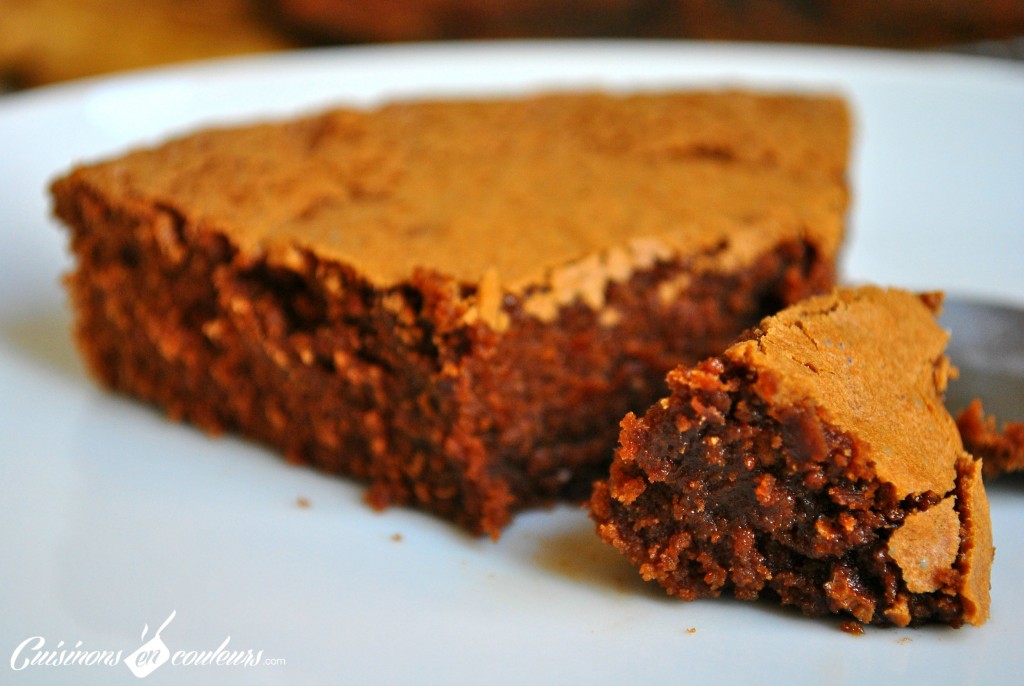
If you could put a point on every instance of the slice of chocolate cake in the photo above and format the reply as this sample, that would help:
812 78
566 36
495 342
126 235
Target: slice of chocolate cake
455 301
812 462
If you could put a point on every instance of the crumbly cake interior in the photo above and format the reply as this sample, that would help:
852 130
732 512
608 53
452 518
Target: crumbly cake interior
767 507
729 485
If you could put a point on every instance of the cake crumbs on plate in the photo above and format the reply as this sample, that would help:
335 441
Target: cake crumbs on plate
852 627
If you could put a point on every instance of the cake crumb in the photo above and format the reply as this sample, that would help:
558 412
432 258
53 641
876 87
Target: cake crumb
302 502
852 627
692 630
397 538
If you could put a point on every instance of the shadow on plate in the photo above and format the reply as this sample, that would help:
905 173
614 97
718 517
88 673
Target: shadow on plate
44 339
575 552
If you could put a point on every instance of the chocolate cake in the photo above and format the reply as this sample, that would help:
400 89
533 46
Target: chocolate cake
454 301
903 23
812 462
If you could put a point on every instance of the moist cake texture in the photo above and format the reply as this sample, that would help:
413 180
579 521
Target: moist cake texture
454 301
812 462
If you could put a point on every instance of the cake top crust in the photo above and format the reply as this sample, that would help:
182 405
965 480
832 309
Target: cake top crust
872 362
517 188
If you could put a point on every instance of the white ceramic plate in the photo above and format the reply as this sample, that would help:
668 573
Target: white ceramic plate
112 518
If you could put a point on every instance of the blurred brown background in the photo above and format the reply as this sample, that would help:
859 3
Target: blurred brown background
43 41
